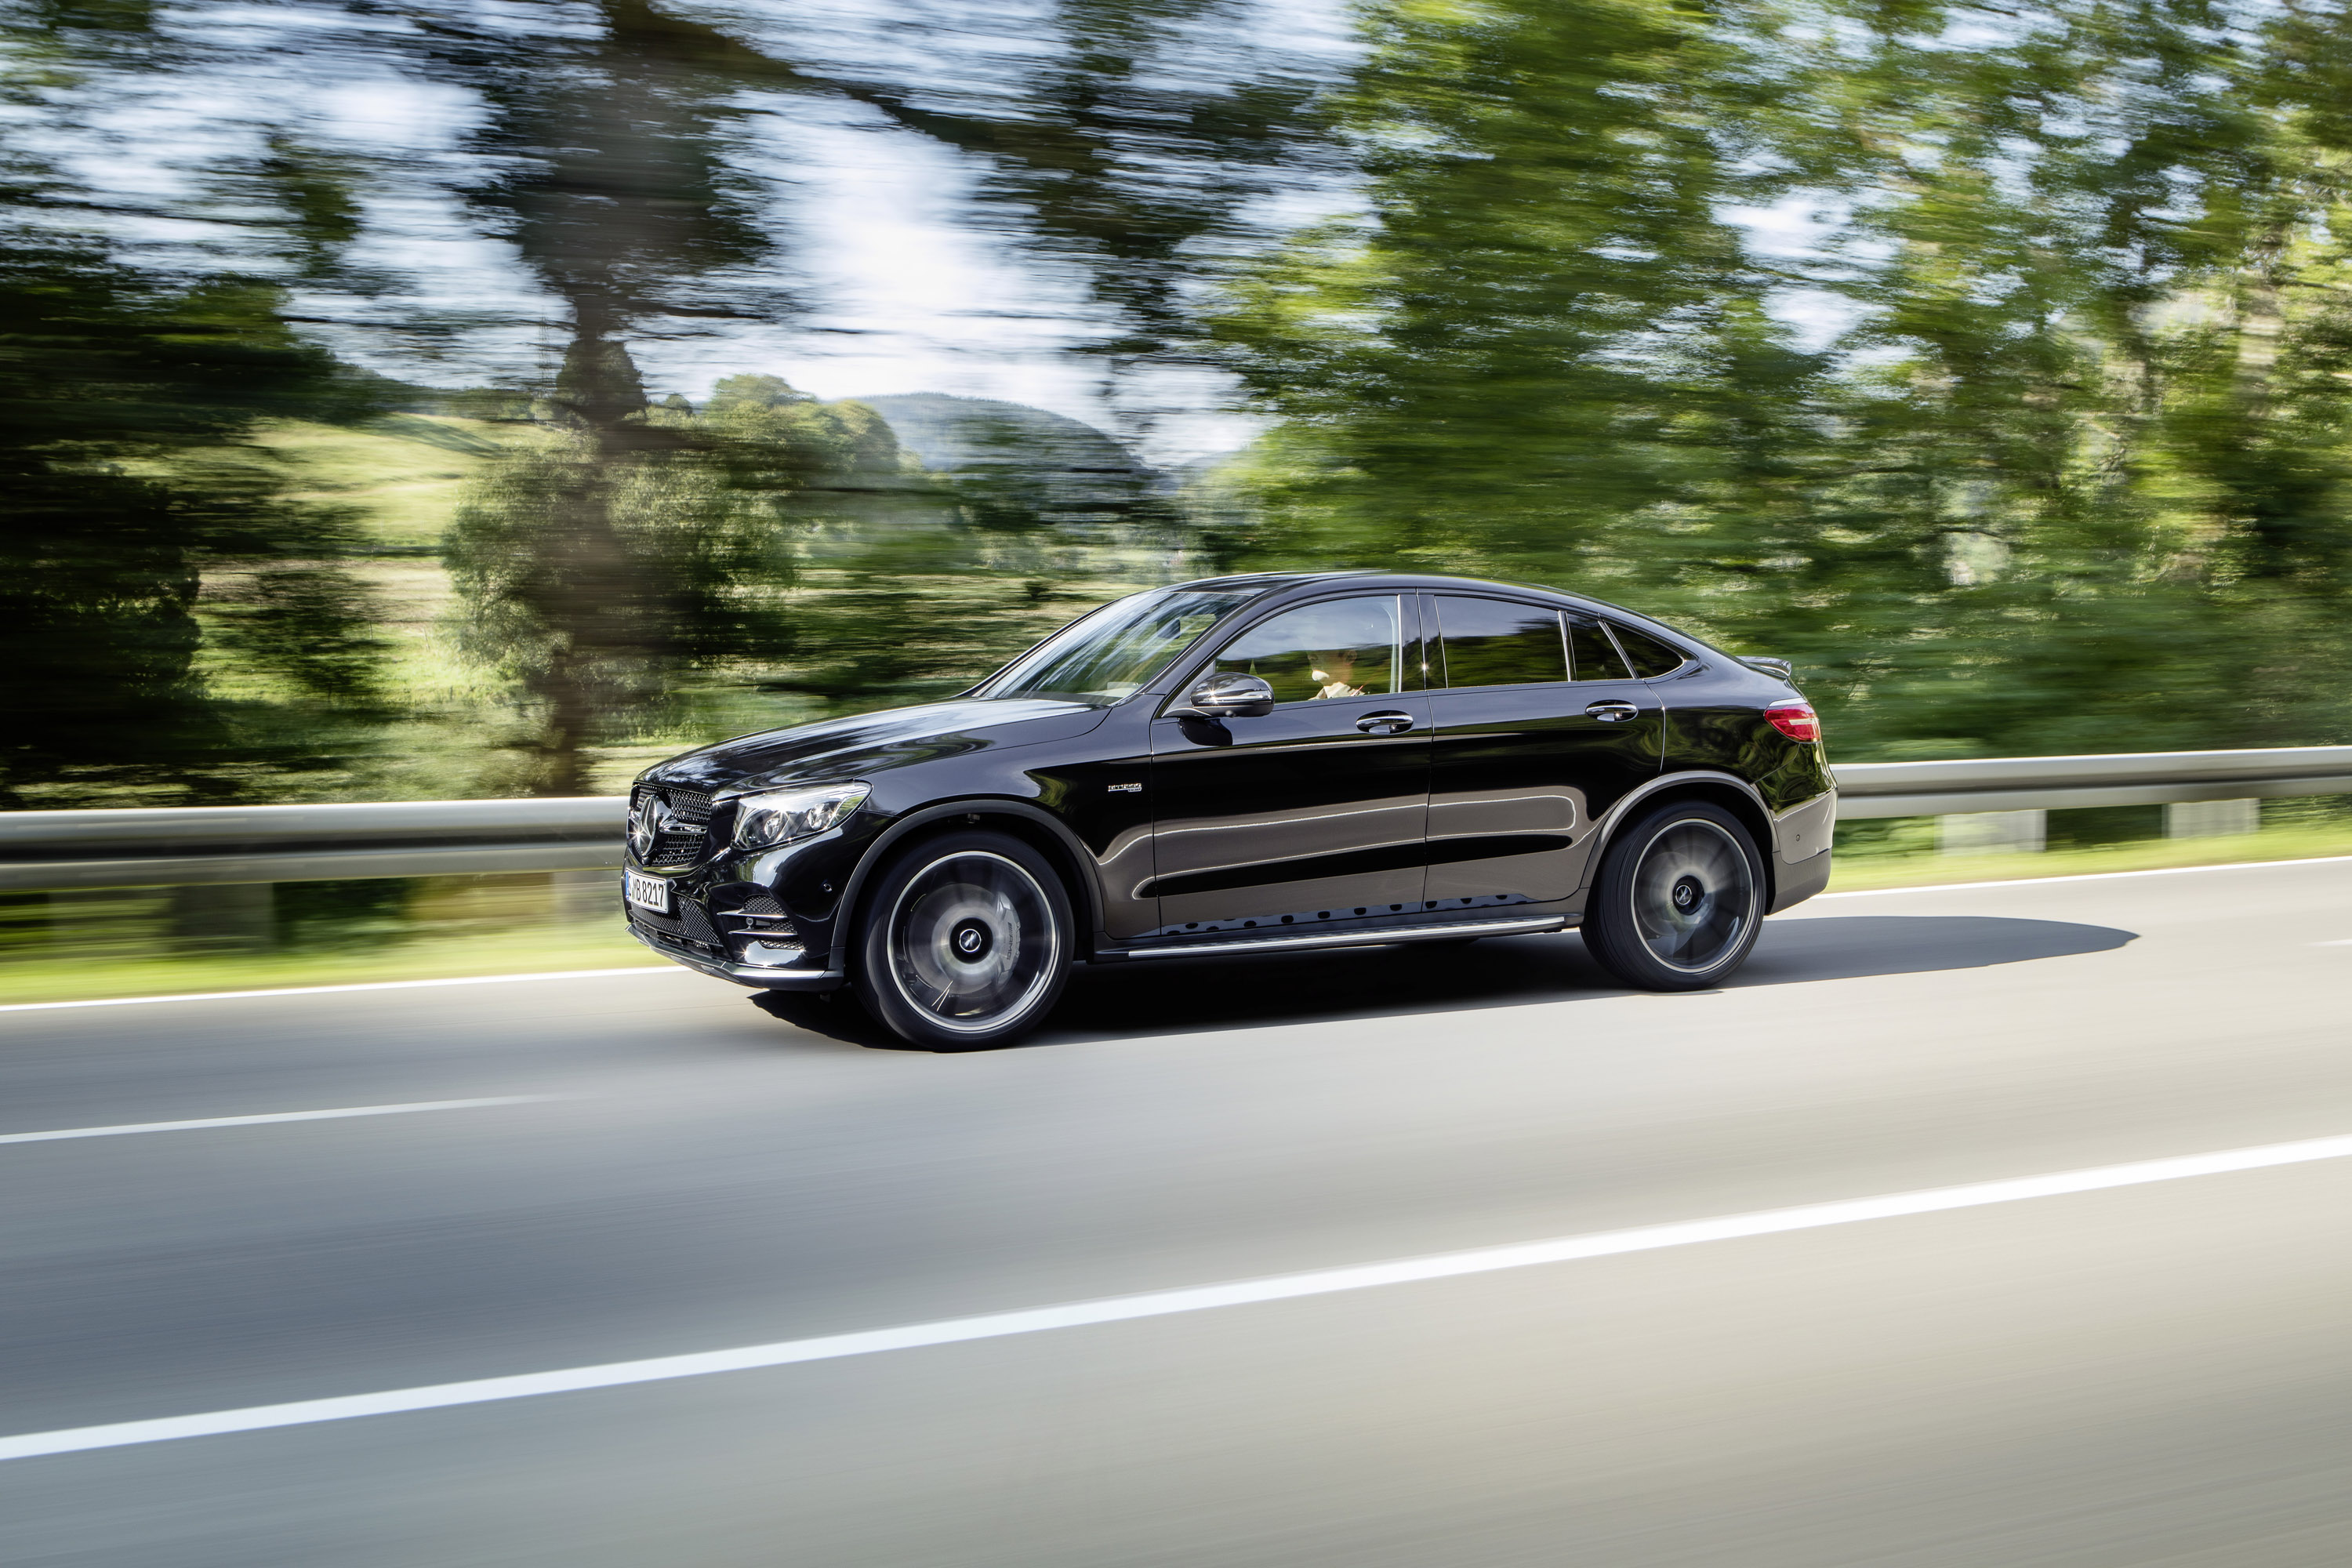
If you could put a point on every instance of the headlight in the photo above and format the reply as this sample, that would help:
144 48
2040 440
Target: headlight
781 815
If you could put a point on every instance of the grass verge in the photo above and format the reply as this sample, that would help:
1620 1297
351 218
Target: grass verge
1861 872
601 944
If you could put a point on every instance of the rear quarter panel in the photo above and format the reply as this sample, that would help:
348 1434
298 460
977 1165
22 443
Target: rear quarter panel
1715 720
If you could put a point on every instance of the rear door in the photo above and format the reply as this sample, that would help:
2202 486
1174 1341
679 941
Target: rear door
1539 727
1313 814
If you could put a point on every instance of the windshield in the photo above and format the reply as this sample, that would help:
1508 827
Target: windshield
1109 656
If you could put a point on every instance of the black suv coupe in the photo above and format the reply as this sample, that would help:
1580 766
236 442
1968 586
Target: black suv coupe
1249 764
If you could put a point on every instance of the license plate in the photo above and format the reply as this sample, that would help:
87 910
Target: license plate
646 892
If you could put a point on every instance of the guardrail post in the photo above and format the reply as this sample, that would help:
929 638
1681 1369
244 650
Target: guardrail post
1992 832
2211 818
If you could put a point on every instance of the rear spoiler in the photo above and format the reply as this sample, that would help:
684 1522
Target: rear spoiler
1780 667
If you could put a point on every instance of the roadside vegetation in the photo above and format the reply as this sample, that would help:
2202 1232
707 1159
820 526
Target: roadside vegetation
1990 363
1903 852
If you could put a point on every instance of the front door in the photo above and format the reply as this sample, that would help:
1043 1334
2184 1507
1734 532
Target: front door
1539 727
1314 814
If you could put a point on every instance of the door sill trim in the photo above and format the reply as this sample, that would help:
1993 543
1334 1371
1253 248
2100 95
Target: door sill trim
1354 938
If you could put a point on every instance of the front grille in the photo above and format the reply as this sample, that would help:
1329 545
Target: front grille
696 923
688 824
663 938
689 921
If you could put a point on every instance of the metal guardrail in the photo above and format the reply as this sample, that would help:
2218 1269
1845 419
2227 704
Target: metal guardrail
173 846
2062 784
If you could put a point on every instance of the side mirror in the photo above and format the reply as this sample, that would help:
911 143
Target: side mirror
1229 695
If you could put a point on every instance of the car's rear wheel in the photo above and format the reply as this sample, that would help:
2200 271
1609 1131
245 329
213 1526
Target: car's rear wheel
965 943
1679 899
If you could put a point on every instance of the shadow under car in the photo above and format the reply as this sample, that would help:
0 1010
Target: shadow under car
1142 999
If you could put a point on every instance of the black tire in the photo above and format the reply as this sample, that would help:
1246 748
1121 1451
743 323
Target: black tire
964 941
1679 899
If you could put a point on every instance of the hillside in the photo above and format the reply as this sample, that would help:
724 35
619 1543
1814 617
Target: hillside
1027 459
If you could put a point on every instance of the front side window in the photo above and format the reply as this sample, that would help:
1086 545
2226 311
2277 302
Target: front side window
1494 642
1110 655
1338 648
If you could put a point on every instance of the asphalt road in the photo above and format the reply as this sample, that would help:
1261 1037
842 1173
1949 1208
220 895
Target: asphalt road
2157 1374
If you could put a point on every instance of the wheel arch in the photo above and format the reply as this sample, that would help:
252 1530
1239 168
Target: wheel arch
1728 791
1041 830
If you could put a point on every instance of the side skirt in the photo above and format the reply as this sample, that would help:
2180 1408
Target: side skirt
1369 937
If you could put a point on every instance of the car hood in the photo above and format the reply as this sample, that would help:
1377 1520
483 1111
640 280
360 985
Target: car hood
840 749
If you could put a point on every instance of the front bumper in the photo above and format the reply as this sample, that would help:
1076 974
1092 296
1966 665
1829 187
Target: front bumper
760 919
767 977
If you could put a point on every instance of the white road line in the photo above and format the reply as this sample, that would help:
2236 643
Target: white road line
2339 942
2082 877
263 1120
334 989
1168 1303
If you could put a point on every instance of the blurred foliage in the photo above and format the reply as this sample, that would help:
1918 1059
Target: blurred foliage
2074 478
767 545
2061 464
1130 139
602 572
142 533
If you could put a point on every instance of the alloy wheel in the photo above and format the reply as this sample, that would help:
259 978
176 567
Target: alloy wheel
1694 895
972 943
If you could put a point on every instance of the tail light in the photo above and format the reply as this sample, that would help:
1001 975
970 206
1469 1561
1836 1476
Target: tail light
1795 720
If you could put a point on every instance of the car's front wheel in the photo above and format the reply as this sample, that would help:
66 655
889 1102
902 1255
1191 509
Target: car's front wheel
965 943
1678 901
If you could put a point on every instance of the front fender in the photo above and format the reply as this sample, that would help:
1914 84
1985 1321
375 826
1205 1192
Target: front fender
1088 890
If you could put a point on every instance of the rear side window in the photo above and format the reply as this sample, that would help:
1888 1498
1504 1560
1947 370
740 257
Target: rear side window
1493 642
1595 656
1650 656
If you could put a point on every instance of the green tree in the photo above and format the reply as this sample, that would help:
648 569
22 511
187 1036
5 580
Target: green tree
1541 340
2074 480
175 625
611 150
169 619
2091 493
680 600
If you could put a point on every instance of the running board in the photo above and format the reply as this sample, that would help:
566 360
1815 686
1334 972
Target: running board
1352 938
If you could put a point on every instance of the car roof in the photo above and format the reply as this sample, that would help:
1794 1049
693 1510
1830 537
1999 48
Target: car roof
1273 583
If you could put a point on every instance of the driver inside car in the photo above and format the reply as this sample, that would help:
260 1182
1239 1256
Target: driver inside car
1337 672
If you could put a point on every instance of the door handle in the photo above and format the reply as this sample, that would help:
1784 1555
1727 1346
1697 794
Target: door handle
1389 723
1612 711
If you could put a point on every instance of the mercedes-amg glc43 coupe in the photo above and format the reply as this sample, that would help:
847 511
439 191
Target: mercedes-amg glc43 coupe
1249 764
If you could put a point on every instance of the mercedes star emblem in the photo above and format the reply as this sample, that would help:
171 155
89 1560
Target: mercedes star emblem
647 817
